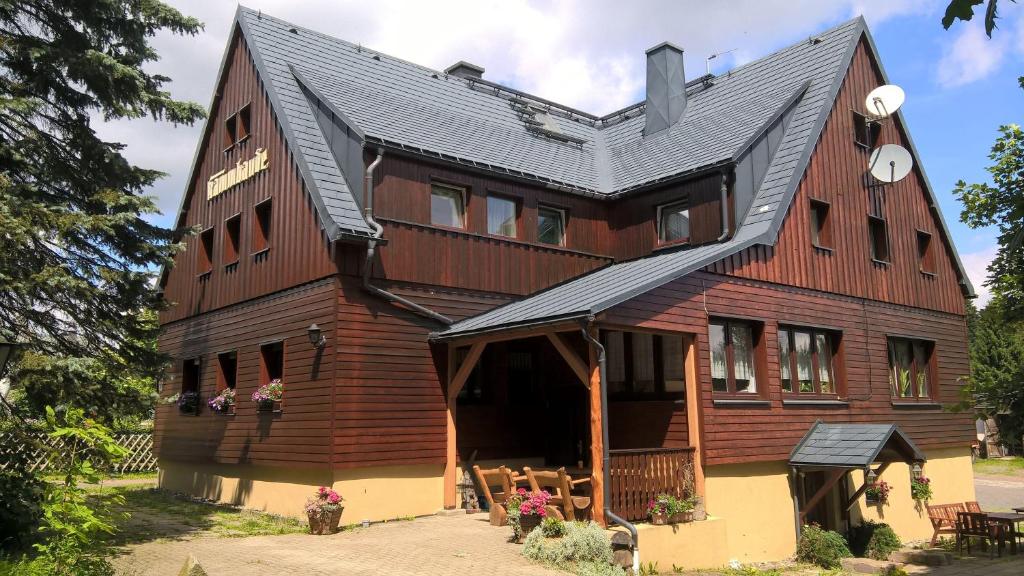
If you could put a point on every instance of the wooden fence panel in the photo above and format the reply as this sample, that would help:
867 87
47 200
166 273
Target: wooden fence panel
637 476
33 456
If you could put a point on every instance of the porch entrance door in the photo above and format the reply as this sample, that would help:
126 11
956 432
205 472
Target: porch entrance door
826 512
568 426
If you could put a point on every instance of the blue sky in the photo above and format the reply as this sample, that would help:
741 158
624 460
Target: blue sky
589 54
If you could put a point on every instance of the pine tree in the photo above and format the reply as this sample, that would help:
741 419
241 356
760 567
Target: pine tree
77 254
996 385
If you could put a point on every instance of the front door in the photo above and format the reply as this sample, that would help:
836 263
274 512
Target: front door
827 512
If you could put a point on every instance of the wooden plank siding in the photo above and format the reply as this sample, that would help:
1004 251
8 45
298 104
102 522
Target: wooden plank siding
298 252
742 433
300 434
836 174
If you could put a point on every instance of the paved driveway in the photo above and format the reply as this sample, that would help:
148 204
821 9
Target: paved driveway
457 545
999 492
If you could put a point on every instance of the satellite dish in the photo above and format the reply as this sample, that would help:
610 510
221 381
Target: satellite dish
885 100
890 163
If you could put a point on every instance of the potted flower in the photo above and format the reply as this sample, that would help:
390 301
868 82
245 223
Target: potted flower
658 509
532 511
223 403
878 492
512 504
188 403
324 511
921 488
268 396
680 509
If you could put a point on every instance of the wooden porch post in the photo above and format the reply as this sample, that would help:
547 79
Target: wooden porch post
596 437
456 380
693 414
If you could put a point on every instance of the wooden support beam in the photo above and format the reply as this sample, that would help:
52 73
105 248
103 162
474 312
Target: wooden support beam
693 414
514 333
830 481
860 491
596 438
579 367
457 376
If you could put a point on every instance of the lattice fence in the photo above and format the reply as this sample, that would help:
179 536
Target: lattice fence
14 452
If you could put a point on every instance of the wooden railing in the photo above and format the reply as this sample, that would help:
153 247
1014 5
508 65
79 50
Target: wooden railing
637 476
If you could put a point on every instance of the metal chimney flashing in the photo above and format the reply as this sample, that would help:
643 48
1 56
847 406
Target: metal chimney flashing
666 87
463 69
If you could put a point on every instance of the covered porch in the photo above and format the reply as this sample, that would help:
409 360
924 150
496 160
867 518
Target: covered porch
616 404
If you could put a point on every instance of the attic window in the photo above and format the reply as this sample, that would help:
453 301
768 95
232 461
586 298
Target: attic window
925 252
230 131
674 222
205 262
821 225
878 235
865 131
243 123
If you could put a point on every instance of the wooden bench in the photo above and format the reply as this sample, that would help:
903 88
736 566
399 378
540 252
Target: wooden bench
944 519
560 486
503 481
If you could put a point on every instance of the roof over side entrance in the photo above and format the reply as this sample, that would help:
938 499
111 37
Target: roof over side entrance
854 446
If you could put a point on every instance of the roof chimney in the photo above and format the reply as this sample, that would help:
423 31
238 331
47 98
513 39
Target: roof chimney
464 69
666 87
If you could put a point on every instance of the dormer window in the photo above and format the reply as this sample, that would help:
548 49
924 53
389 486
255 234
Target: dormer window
501 216
551 226
674 222
865 130
447 206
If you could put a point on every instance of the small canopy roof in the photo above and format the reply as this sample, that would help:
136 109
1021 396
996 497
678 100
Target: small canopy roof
853 446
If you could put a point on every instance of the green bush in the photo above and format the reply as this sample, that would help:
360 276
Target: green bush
598 569
873 540
822 547
553 527
583 543
894 570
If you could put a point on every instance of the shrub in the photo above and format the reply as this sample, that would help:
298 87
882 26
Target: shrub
598 569
894 570
822 547
874 540
553 527
583 542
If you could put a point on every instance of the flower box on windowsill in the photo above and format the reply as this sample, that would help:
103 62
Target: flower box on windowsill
189 410
269 406
228 410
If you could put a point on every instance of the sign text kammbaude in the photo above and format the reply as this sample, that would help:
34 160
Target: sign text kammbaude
227 179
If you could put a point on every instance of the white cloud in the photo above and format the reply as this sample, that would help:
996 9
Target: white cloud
585 54
971 56
976 264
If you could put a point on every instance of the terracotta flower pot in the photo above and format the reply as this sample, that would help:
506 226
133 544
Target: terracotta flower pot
659 518
327 524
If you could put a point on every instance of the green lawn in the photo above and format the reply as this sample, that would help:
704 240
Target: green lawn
1000 466
148 514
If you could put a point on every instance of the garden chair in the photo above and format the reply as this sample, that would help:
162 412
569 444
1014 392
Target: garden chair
944 519
497 484
974 525
973 507
560 486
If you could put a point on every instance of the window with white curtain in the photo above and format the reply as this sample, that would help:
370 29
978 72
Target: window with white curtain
447 206
644 365
501 216
733 368
807 353
910 368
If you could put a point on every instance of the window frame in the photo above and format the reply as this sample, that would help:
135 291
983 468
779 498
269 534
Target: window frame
243 126
930 370
264 374
926 262
222 377
821 228
757 353
834 340
863 126
659 229
659 391
187 364
231 243
262 231
874 221
230 132
206 256
463 194
562 217
516 206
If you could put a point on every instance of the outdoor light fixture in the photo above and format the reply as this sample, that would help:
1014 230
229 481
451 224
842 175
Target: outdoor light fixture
871 476
916 469
8 350
316 338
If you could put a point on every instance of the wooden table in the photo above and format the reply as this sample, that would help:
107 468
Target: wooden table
1009 520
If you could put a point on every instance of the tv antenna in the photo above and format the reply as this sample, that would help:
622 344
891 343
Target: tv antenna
884 101
890 163
707 61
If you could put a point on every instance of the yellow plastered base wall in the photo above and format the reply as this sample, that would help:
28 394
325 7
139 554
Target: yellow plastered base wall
756 504
952 479
376 493
689 546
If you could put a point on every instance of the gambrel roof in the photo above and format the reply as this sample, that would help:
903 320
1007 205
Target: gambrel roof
385 101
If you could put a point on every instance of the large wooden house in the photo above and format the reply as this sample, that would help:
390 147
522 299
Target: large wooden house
443 271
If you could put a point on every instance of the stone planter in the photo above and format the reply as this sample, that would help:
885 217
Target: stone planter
659 518
326 525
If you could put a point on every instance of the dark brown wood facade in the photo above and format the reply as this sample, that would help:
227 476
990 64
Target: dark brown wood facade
375 395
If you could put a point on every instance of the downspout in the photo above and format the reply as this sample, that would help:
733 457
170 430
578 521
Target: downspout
605 459
371 248
725 207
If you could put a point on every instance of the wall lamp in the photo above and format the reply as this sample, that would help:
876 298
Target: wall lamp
316 337
915 470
